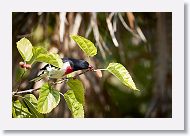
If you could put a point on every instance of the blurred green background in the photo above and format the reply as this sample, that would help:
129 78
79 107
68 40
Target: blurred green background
142 42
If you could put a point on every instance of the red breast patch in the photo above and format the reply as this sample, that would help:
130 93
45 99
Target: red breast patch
68 70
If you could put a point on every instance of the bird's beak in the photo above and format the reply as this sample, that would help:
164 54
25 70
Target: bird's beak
90 68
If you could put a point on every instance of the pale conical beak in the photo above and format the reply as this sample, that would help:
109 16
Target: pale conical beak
90 68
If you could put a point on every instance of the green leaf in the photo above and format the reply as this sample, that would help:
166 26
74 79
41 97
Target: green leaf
122 74
50 58
25 49
19 110
48 99
39 50
86 45
78 89
75 107
32 99
31 102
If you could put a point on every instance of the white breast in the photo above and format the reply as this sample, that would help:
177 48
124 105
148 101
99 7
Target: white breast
66 65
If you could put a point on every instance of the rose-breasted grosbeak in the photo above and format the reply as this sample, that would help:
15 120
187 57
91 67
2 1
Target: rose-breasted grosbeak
69 65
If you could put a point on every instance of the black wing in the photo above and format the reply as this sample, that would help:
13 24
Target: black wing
76 64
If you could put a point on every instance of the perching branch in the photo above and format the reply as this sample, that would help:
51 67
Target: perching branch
54 83
25 91
67 78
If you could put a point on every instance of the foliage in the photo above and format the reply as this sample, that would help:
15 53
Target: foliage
74 105
78 89
50 58
37 54
122 74
86 45
19 110
25 49
49 97
32 102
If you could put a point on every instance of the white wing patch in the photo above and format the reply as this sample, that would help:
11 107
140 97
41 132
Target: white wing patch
57 73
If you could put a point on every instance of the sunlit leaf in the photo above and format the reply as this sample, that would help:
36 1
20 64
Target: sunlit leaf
48 99
75 107
32 99
31 102
50 58
19 110
122 74
24 47
78 89
86 45
39 50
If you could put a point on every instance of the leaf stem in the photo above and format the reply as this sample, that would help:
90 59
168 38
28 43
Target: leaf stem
61 94
102 69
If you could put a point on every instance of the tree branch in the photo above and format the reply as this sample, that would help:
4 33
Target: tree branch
25 91
58 82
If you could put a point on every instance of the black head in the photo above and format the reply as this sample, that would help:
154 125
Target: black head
81 64
77 64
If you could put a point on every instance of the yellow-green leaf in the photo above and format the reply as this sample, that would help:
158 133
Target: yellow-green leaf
50 58
39 50
24 47
122 74
75 107
78 89
48 99
31 101
86 45
19 110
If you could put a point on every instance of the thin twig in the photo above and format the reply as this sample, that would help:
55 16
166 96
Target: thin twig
25 91
101 69
67 78
81 73
61 94
25 35
60 81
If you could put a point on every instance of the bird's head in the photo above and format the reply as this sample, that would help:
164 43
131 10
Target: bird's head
80 65
76 64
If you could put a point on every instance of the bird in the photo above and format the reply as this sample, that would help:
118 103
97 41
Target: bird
69 65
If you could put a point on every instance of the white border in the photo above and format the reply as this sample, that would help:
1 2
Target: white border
174 123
